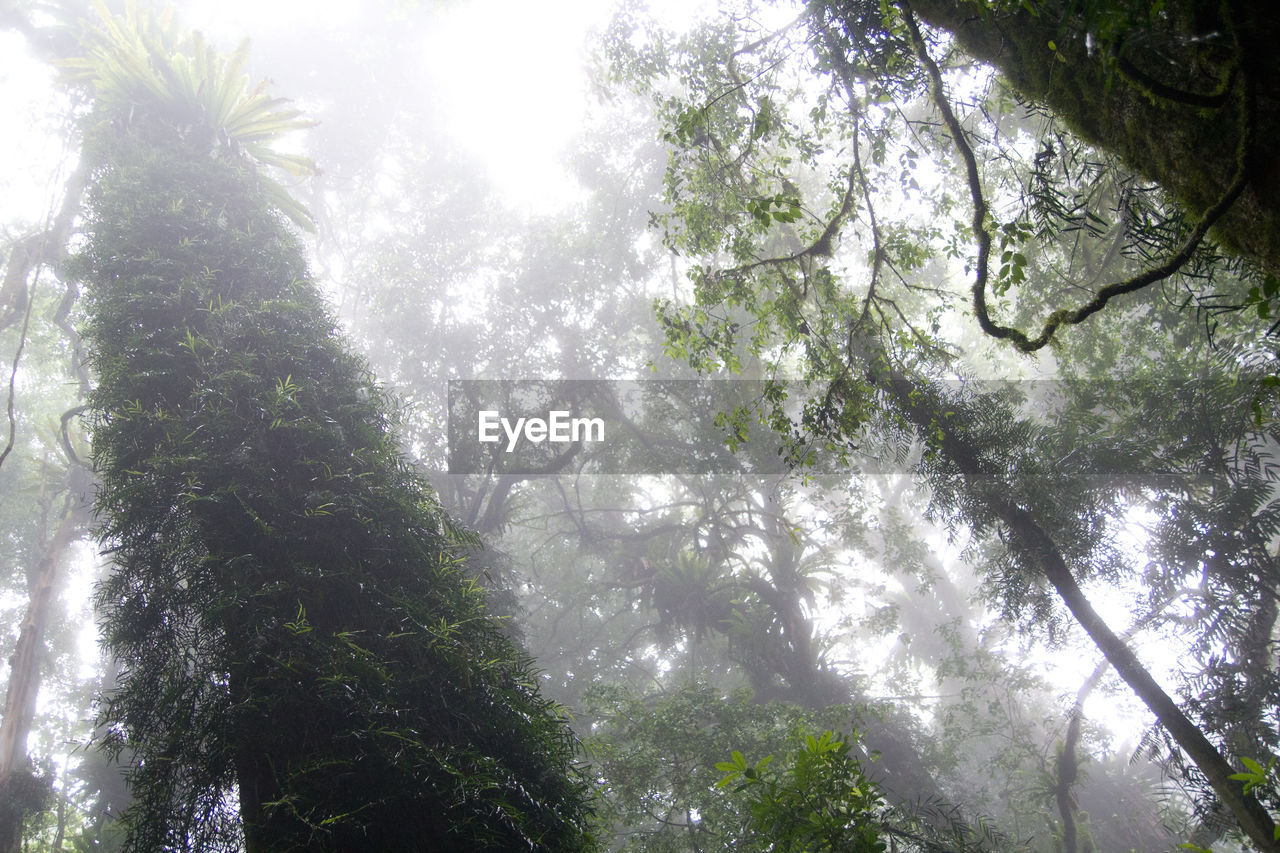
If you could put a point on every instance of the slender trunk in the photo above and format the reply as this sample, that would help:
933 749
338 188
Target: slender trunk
1066 773
25 670
1067 765
46 247
61 834
1030 540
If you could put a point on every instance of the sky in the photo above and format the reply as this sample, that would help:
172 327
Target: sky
510 76
511 80
514 88
31 145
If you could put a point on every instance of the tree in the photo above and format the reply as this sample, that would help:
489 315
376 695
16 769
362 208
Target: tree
822 802
304 663
1183 92
1175 102
45 488
782 141
600 560
25 674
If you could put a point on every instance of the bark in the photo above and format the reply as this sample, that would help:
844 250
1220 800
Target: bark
1067 772
1184 141
1068 760
901 770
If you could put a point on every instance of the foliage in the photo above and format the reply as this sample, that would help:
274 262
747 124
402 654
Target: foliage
822 801
297 638
853 298
1264 781
657 757
668 788
649 581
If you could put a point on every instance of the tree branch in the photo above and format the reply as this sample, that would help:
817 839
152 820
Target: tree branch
1066 316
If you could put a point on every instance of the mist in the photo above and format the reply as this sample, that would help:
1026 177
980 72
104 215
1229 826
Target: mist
966 592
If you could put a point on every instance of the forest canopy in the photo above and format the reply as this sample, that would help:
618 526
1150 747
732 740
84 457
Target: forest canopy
1000 279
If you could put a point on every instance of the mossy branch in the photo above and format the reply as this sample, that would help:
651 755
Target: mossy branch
1068 316
1163 91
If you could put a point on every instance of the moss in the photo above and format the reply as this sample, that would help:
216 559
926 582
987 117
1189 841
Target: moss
287 600
1188 149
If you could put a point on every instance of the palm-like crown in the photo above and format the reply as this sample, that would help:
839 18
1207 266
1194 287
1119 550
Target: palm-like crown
142 61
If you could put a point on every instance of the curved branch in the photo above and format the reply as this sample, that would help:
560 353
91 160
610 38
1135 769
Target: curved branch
776 34
821 247
65 435
13 374
1154 87
877 249
1066 316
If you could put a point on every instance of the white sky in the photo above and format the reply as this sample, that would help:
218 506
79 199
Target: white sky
511 73
515 84
31 146
515 91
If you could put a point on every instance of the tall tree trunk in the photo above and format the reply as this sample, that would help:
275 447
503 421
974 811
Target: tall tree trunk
1029 539
296 633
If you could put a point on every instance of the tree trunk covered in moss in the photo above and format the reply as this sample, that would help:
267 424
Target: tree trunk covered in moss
1144 91
304 662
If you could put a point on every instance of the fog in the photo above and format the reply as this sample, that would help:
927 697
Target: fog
639 216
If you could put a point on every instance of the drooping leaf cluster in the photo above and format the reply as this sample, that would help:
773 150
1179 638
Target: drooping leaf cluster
822 802
142 61
671 788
